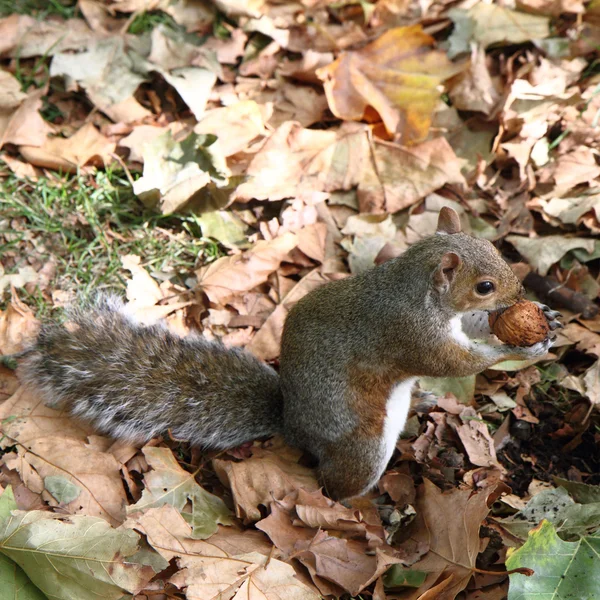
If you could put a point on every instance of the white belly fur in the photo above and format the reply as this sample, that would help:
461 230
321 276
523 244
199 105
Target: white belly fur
398 405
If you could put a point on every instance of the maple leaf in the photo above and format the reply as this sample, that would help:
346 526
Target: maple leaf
398 75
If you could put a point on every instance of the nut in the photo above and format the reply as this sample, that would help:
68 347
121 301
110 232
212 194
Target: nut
522 324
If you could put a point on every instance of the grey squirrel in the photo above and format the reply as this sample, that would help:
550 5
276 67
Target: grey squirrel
351 353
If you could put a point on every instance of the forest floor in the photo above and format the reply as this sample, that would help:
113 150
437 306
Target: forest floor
216 162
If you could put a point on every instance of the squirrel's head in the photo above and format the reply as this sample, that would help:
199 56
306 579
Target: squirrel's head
470 273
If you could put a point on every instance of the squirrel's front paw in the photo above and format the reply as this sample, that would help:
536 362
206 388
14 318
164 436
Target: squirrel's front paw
551 316
536 351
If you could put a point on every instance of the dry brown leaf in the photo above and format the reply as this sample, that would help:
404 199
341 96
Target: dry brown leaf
29 36
306 68
266 343
478 442
11 95
575 168
110 72
98 17
552 7
453 543
294 158
9 383
329 558
231 275
400 487
141 135
398 75
50 444
586 341
22 123
405 175
474 89
389 177
20 168
236 125
35 420
224 564
87 145
230 49
270 474
143 292
18 327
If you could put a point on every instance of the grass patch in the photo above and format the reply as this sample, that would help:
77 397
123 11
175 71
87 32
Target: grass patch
148 20
86 224
41 9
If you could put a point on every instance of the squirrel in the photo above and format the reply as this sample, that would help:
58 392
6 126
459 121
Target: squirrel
351 353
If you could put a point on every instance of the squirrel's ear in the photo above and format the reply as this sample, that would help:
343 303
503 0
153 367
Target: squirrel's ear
448 221
446 270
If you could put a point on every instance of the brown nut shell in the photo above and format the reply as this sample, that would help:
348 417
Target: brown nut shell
522 324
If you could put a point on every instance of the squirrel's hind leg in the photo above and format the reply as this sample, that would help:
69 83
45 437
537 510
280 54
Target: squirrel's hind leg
351 467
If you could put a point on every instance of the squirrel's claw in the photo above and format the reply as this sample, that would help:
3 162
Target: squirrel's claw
551 315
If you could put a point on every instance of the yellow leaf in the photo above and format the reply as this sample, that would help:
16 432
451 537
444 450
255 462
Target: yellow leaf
398 75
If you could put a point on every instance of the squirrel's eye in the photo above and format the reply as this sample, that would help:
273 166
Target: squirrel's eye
485 287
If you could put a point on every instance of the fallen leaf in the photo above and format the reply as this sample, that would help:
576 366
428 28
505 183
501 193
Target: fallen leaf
221 565
175 171
294 158
453 543
369 234
109 74
98 17
573 169
230 49
143 292
62 490
231 275
552 7
490 24
591 380
13 580
313 529
11 95
87 145
561 569
142 135
266 343
27 36
236 125
77 556
20 120
403 176
571 211
570 518
389 177
398 75
168 483
541 253
586 341
193 85
225 227
474 89
18 328
50 444
269 475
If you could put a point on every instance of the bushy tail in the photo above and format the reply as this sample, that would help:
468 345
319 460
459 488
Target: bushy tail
136 382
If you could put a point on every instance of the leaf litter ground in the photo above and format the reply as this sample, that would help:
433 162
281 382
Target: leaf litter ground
218 162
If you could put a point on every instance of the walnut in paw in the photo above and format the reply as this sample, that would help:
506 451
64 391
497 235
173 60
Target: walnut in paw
522 324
